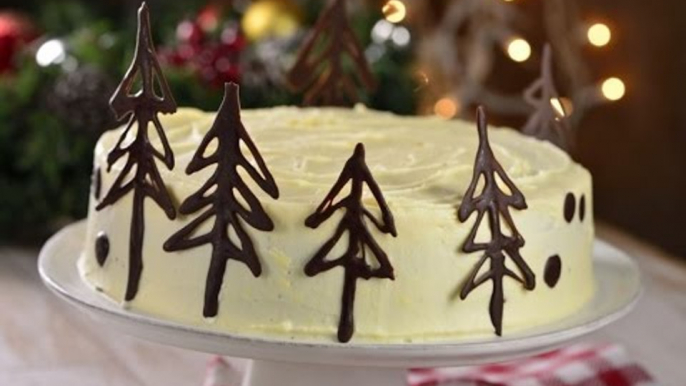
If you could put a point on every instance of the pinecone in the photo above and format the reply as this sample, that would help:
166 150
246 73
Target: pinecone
81 99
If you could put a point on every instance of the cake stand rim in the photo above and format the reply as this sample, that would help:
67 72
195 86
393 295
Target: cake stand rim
366 354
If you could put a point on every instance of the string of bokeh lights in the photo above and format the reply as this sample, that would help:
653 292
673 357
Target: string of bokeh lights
517 48
390 29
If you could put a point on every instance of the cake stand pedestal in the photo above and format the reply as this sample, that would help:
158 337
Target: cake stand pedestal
278 362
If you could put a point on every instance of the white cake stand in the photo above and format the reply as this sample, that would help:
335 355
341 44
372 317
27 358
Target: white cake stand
291 363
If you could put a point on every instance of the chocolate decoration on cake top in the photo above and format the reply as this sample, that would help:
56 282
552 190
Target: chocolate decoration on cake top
360 239
493 203
548 120
228 200
552 271
319 68
139 173
569 207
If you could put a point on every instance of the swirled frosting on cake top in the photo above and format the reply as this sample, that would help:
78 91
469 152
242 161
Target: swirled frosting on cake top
417 160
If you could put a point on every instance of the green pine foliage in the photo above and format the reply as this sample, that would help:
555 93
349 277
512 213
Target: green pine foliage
46 159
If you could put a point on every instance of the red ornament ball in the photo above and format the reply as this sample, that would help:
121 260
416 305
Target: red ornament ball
15 31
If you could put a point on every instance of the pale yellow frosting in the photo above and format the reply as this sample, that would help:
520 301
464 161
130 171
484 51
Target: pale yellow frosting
423 166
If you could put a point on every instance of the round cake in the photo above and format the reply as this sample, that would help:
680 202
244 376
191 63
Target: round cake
433 289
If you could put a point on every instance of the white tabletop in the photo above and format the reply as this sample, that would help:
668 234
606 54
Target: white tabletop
43 341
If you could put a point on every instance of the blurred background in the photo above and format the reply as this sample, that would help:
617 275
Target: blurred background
618 68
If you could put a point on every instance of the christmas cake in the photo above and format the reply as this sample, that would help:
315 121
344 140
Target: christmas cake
423 167
329 223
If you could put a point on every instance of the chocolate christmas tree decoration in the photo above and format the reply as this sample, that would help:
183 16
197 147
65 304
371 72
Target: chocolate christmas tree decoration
139 173
494 203
548 121
320 63
225 203
360 239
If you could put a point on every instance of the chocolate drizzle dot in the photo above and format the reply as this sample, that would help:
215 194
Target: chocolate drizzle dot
102 248
320 65
493 204
97 183
360 240
553 270
570 207
142 109
223 204
582 208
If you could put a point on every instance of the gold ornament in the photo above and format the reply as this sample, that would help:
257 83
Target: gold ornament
271 18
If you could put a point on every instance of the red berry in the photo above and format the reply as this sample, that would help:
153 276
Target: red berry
232 37
190 32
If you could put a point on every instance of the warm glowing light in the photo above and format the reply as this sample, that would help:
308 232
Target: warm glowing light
422 77
558 107
51 52
382 31
562 106
519 50
394 11
613 89
447 107
567 105
599 35
401 36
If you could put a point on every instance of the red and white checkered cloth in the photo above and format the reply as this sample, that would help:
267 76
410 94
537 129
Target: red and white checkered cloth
577 365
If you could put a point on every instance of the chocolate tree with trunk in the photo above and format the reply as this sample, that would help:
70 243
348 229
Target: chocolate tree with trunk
494 203
321 61
360 239
139 173
231 203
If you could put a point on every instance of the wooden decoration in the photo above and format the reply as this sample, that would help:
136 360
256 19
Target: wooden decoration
548 120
